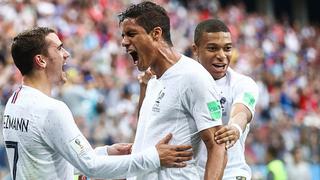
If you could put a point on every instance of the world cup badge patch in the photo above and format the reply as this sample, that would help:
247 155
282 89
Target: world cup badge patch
248 98
214 110
79 144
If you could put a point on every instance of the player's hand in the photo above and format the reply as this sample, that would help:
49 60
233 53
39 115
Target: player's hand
119 149
227 134
145 76
82 177
173 156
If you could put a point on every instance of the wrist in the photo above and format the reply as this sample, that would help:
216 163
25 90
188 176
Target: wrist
143 84
238 127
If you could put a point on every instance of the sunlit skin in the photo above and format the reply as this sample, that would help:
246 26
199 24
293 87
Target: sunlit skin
214 52
147 49
48 67
55 59
136 39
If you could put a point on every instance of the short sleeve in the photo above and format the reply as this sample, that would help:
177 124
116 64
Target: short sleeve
202 100
247 93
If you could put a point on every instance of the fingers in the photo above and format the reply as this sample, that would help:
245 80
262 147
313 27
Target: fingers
181 147
124 147
184 154
229 144
149 72
221 131
173 155
182 159
226 139
120 149
166 139
145 76
82 177
178 165
227 134
178 161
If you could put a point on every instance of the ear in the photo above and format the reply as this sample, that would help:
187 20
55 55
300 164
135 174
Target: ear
156 33
39 61
195 51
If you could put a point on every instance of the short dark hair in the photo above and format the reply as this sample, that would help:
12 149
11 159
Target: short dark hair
26 45
273 151
210 25
149 15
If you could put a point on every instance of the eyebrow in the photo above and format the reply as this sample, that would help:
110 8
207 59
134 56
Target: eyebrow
215 44
128 31
60 46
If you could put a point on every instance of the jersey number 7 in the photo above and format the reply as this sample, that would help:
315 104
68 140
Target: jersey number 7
14 145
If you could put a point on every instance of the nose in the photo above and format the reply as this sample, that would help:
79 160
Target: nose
125 42
66 54
221 54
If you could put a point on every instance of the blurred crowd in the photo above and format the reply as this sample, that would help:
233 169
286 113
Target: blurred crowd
103 91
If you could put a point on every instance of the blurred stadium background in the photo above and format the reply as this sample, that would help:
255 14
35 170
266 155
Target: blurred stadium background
276 42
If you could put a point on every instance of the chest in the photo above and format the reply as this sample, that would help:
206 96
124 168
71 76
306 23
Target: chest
226 101
163 99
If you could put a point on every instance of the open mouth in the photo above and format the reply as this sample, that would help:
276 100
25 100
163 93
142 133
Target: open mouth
135 57
64 67
219 66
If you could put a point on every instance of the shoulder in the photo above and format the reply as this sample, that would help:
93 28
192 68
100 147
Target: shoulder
194 71
240 80
55 106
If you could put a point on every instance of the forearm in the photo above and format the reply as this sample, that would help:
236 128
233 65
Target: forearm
216 153
216 162
119 166
240 115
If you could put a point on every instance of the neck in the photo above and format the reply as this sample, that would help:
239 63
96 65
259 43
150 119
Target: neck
167 58
39 82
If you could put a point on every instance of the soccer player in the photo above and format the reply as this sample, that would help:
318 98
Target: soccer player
42 140
181 99
213 48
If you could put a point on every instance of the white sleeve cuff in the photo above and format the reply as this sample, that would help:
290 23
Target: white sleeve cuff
238 127
102 150
153 155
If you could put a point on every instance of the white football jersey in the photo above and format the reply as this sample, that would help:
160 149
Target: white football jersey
234 88
43 142
182 102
